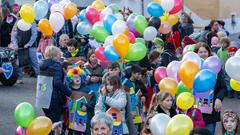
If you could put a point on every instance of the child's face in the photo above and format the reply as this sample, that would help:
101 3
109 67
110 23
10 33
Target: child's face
203 53
167 103
71 48
93 59
230 124
76 80
231 54
115 70
137 76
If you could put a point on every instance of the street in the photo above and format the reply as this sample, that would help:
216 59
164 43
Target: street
12 96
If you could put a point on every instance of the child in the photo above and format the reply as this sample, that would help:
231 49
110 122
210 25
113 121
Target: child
80 110
73 49
230 123
146 127
215 44
223 51
44 42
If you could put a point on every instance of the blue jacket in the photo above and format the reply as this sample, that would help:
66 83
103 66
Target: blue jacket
58 78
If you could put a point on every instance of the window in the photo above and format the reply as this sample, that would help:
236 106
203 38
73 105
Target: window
114 115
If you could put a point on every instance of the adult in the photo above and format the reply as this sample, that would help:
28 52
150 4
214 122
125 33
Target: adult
102 124
211 118
214 28
168 54
187 24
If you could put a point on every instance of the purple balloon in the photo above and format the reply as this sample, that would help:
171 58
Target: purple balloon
130 24
20 131
51 2
213 63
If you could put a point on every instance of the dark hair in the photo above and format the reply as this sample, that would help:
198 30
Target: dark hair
136 69
169 46
200 131
73 42
189 18
153 55
114 80
212 23
90 53
202 44
113 65
146 126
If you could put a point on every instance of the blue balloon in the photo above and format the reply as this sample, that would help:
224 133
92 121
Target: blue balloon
108 22
154 9
84 28
204 81
41 9
110 53
82 15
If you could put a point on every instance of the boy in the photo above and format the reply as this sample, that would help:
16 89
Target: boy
73 49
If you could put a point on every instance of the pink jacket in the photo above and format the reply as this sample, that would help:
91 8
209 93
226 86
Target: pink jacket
196 116
43 43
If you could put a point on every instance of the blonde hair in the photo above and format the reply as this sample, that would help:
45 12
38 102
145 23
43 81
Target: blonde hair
52 52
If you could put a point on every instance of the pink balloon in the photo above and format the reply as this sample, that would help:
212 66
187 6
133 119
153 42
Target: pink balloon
20 131
99 53
92 15
172 69
160 73
131 37
177 7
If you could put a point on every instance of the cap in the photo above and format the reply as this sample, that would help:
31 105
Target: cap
232 49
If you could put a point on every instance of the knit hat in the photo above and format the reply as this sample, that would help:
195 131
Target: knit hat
232 49
188 41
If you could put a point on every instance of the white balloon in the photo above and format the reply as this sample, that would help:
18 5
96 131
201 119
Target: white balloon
172 69
108 41
232 66
23 26
237 54
64 2
150 33
56 20
167 5
106 11
119 27
119 16
158 124
193 57
56 8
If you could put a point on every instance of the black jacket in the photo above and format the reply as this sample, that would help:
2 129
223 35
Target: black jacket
172 111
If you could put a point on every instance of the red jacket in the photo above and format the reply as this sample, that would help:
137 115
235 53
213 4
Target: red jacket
175 39
196 116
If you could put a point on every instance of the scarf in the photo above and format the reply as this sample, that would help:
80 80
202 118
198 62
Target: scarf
74 53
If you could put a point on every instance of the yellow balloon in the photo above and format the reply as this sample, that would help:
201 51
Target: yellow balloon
172 19
169 85
27 13
235 85
163 18
41 125
185 101
70 10
180 124
158 1
98 4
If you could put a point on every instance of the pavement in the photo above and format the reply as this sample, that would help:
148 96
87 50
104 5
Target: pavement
10 97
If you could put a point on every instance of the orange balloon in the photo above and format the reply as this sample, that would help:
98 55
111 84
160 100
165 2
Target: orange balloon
169 85
70 10
121 44
41 125
45 27
126 31
187 72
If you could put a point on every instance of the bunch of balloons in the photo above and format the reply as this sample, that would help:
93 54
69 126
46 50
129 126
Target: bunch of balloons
232 66
24 116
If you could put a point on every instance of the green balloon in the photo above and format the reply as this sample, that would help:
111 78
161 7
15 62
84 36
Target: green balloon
99 33
182 88
140 40
158 41
136 52
191 48
115 7
24 114
140 24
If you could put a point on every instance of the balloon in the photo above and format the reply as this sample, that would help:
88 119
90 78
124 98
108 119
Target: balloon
163 18
57 8
177 7
140 24
83 28
158 1
27 13
235 85
158 41
40 9
24 114
119 27
187 72
110 53
141 40
172 19
130 24
45 27
155 22
232 66
159 123
193 57
182 88
165 28
92 15
191 48
121 44
114 7
99 53
98 4
180 124
82 15
169 85
150 33
52 2
70 10
20 131
237 54
136 52
160 73
131 37
63 3
99 32
167 5
41 125
56 20
23 26
185 101
108 41
119 16
154 9
172 69
105 12
213 63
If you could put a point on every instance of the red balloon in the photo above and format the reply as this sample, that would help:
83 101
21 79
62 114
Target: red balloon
160 73
177 7
131 37
92 15
99 53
